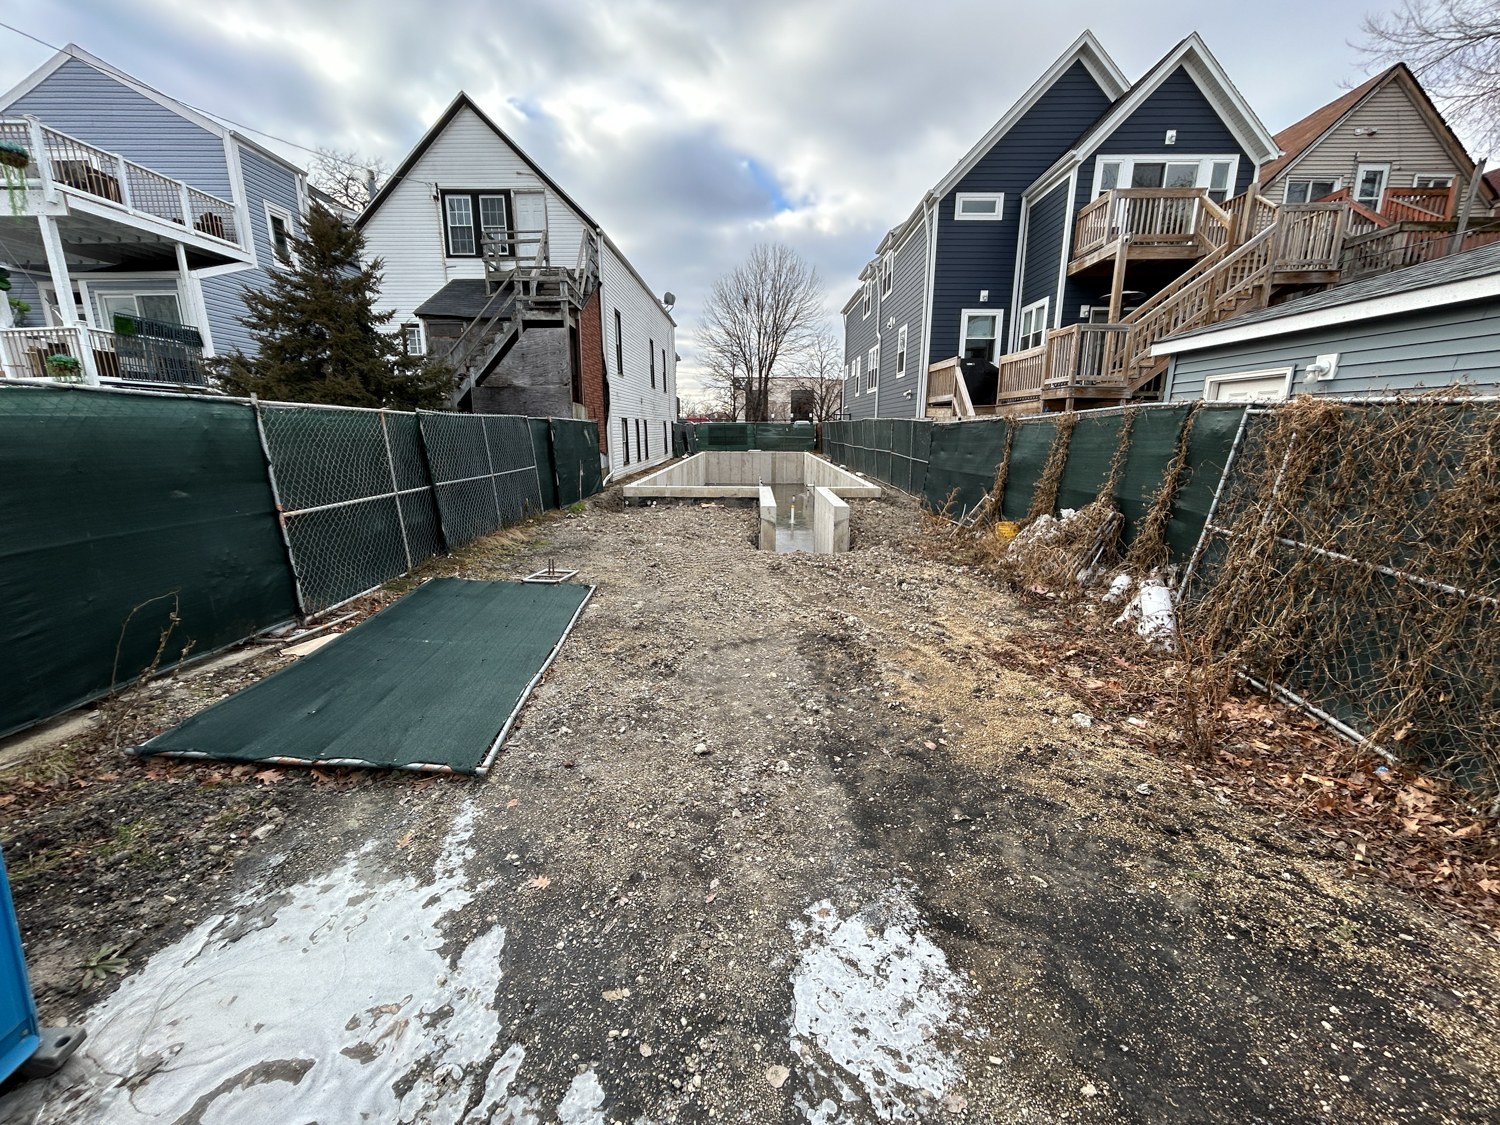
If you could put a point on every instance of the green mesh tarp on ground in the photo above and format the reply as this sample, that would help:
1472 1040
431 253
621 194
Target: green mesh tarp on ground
430 681
735 436
961 462
483 472
1028 457
116 509
546 471
1208 448
355 497
575 454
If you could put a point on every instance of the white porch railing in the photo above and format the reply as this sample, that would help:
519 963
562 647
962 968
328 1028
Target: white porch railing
61 161
74 355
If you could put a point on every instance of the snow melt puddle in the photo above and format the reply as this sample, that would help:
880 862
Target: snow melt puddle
329 1002
870 995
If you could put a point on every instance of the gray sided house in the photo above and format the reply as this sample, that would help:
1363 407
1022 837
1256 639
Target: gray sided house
140 226
1419 329
1008 238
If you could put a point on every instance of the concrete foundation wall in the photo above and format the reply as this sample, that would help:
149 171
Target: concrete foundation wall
830 523
718 473
767 518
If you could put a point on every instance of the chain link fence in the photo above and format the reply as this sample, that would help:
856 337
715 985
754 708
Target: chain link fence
484 472
892 450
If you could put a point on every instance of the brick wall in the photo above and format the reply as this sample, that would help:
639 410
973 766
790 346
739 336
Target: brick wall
591 353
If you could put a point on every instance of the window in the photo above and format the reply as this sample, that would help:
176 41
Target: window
901 352
1431 181
1310 191
411 339
854 373
651 357
619 348
1215 173
468 216
865 304
979 206
638 454
1249 386
1034 324
887 274
872 368
1369 185
279 230
979 330
625 436
162 307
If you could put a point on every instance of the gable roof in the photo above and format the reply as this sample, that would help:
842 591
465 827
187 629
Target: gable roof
1472 275
1193 56
200 118
1299 138
462 101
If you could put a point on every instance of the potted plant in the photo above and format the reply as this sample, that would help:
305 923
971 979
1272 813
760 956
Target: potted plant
64 367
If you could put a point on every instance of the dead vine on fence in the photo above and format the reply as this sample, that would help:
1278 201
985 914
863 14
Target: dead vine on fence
1148 551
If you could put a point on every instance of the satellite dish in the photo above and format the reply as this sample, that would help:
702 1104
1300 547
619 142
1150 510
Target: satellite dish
669 299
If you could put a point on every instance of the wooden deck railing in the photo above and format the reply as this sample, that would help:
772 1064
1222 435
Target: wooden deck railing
1403 244
1085 355
1420 205
1021 373
1310 237
1151 216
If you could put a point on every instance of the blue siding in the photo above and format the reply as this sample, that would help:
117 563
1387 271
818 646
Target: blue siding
222 296
861 333
904 305
1411 352
92 106
972 256
1045 225
266 180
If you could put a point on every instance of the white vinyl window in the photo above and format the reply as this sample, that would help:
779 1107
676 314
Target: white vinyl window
1249 386
1424 180
468 216
854 373
1369 185
865 304
901 352
872 368
411 338
979 329
279 231
1213 171
887 274
979 206
1033 323
1310 191
158 306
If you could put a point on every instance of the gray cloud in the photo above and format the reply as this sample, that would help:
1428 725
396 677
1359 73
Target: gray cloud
690 130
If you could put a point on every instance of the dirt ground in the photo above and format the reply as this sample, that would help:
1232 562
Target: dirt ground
775 840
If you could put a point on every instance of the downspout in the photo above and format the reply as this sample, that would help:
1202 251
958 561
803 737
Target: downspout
929 224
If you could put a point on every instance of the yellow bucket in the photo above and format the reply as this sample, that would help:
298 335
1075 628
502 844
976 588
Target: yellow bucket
1006 530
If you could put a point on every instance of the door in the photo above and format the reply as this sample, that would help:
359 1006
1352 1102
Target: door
1369 185
531 224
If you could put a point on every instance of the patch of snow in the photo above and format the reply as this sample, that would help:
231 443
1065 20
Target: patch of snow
581 1104
314 1004
1152 613
871 995
1119 586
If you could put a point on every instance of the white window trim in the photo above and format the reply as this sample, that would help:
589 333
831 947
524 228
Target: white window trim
1338 184
1213 382
408 325
854 368
887 274
1385 183
289 219
902 359
867 301
1045 304
1449 176
959 197
872 369
1205 162
965 315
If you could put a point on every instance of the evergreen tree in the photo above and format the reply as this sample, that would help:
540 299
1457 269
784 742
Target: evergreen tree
319 335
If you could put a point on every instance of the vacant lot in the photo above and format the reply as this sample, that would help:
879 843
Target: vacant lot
776 840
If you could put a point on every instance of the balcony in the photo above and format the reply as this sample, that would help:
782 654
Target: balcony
1148 223
137 351
107 184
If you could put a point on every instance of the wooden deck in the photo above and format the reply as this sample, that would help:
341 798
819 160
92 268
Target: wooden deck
1148 223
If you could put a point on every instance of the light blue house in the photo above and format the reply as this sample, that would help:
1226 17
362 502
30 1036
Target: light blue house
134 228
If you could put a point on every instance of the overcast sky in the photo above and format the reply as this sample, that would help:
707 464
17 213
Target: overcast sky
690 130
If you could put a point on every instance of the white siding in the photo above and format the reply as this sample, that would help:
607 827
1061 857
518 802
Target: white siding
407 230
643 322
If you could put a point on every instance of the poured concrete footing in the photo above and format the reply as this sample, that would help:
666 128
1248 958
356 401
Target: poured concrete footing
767 518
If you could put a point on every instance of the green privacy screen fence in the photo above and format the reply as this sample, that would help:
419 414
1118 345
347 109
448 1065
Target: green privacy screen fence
792 437
122 509
951 466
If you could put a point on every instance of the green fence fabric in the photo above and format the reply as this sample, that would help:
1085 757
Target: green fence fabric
1028 457
1092 447
483 472
575 452
546 470
1153 444
682 439
1208 449
428 682
116 508
961 462
734 436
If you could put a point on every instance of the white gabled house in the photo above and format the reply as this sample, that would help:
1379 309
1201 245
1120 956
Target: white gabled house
489 263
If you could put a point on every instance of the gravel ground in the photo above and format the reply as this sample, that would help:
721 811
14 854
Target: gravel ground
774 841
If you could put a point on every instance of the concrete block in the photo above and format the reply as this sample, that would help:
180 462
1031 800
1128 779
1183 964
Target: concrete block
767 518
830 523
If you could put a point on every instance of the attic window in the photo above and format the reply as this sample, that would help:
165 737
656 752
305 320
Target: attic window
465 237
979 206
279 230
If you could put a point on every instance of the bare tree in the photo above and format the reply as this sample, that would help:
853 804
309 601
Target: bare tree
347 177
723 379
821 372
756 319
1453 47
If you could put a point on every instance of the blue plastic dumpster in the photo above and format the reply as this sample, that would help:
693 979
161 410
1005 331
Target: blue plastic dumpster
19 1034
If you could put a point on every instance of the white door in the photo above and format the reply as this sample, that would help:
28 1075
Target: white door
531 222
